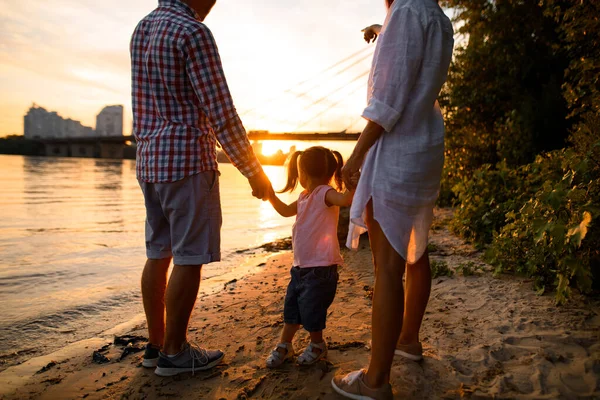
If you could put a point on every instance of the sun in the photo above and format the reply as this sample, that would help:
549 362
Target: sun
270 147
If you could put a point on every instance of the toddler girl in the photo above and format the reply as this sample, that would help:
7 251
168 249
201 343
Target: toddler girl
317 255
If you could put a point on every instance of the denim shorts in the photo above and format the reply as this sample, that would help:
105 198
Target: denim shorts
183 219
309 294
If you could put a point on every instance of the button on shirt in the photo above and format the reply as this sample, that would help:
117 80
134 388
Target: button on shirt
181 102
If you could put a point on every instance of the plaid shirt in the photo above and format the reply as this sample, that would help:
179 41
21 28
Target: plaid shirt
181 101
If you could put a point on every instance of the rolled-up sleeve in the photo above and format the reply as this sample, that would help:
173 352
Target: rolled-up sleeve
205 71
396 68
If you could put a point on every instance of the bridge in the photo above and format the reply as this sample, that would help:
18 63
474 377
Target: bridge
115 146
327 91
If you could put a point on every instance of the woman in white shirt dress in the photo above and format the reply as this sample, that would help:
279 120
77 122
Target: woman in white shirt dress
400 155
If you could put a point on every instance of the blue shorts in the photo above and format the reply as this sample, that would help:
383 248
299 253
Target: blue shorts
309 294
183 219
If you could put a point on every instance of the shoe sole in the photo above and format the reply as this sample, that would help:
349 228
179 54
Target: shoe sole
408 356
176 371
404 354
150 362
349 395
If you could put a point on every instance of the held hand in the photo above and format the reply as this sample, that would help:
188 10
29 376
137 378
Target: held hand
351 173
261 186
271 195
371 32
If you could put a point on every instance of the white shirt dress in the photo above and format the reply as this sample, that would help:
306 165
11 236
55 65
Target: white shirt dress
402 171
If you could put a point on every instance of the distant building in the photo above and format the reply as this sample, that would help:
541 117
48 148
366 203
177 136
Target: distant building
74 129
110 121
40 123
34 122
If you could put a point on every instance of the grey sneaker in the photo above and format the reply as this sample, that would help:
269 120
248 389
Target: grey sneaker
151 356
190 359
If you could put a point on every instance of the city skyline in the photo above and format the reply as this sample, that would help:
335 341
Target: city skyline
40 123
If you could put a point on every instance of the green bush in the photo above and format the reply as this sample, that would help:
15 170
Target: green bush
503 97
491 192
524 75
555 237
440 268
468 269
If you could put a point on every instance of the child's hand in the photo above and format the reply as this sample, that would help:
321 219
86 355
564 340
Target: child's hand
271 193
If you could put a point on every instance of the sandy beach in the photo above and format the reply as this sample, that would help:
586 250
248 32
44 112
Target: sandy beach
483 336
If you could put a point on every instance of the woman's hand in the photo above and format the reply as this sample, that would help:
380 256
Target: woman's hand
371 32
368 137
351 172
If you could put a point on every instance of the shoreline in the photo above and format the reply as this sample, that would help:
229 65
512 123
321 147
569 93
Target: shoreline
15 376
252 260
483 337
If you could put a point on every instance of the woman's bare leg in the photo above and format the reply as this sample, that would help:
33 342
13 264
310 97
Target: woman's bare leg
418 288
388 304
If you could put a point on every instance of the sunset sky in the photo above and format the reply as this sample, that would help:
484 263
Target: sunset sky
72 56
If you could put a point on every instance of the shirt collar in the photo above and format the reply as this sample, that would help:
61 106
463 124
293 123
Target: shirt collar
178 4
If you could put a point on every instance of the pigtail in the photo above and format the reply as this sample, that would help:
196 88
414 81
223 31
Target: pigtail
338 170
292 179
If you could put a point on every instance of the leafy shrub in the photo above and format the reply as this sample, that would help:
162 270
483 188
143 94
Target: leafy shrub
440 268
432 248
491 193
468 269
555 236
524 77
503 96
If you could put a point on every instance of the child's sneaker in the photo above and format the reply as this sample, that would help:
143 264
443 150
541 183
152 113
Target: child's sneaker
275 359
190 359
413 352
309 356
151 356
352 386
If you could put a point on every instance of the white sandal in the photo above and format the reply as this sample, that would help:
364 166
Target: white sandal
309 357
275 359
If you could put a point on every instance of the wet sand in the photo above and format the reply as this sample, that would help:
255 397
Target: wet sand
483 337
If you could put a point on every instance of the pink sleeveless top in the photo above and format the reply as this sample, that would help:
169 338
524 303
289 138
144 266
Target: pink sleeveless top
314 235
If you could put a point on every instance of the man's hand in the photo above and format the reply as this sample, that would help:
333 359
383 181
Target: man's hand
371 32
261 186
351 172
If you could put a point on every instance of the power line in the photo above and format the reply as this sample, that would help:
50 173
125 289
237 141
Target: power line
329 108
362 74
320 74
335 65
336 74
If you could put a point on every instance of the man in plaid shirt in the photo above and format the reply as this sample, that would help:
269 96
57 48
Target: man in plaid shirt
181 108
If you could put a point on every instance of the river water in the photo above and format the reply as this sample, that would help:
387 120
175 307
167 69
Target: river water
72 246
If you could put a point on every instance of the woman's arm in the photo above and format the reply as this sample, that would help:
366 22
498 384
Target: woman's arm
367 139
335 198
285 210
